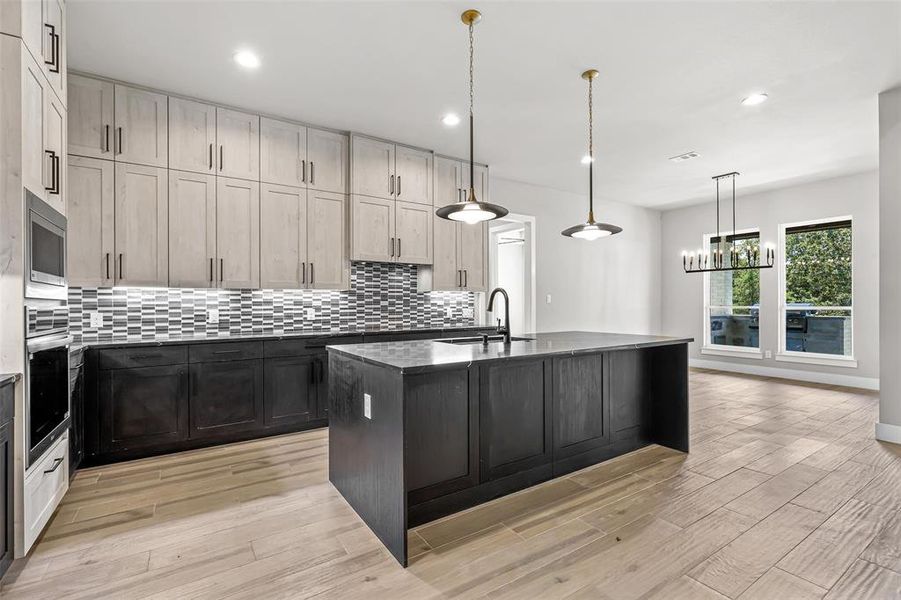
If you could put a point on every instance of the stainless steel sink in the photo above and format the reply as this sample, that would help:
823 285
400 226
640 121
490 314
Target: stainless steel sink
492 339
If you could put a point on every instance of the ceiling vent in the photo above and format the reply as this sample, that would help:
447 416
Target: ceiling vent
684 157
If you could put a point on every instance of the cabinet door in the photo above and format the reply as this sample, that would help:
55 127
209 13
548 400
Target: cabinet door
414 175
89 233
581 410
238 233
290 392
226 397
192 229
414 233
446 274
55 143
327 158
472 248
192 135
515 417
142 127
76 416
142 226
141 408
327 245
372 229
54 44
320 377
35 161
480 177
373 167
283 237
238 135
6 497
448 189
90 104
283 152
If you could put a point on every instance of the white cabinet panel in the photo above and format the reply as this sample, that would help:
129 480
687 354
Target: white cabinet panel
55 147
238 136
142 219
142 127
192 229
283 152
238 233
413 175
327 234
89 231
373 167
35 161
192 135
413 229
283 237
90 104
448 189
473 256
372 229
446 274
46 483
327 158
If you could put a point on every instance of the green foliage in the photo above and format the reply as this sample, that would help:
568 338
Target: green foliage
818 267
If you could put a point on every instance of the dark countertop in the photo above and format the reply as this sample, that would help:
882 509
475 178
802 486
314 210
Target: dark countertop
420 355
6 378
321 333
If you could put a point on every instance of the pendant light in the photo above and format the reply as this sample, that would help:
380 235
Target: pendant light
471 211
714 260
590 230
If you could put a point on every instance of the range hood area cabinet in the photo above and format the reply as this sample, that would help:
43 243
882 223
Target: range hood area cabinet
460 259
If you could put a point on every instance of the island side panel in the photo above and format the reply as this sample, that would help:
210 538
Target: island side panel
669 396
366 455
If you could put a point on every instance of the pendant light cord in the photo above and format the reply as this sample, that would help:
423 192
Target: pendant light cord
590 150
472 187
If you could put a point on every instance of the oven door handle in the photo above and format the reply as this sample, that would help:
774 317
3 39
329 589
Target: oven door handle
48 342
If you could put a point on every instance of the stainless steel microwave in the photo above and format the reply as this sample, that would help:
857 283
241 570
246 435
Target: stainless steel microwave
45 251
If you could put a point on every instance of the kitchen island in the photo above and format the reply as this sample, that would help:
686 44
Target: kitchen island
422 429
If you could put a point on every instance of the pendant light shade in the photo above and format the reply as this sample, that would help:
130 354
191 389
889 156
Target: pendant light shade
591 230
471 211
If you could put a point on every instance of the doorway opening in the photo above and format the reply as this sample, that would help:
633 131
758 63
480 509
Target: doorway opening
511 265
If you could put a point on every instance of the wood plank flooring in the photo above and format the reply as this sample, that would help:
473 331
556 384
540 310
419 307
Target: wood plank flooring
785 495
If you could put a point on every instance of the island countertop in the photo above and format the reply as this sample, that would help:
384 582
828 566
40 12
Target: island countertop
421 355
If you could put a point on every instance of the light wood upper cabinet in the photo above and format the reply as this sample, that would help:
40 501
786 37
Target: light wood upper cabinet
283 153
413 230
372 229
192 229
54 45
327 158
446 275
89 232
142 226
283 237
192 136
413 180
90 117
36 163
373 167
141 134
238 233
448 189
327 240
55 147
472 247
238 136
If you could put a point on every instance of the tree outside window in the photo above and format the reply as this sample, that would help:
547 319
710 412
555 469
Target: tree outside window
734 296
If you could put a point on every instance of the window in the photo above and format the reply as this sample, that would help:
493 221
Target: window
732 298
816 290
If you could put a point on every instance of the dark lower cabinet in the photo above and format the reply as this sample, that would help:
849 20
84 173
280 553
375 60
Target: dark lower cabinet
226 397
321 384
142 408
76 417
6 477
290 395
581 410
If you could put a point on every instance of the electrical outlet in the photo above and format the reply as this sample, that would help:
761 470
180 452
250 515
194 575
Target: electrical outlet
448 313
212 315
96 320
768 354
367 406
548 299
310 314
468 313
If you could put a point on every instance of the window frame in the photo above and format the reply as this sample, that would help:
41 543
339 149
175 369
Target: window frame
813 358
723 349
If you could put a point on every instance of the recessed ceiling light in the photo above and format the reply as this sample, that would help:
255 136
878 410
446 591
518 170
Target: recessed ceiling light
247 59
754 99
451 120
587 159
684 157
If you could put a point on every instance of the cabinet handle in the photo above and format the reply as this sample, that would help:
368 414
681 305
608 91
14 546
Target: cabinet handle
226 351
398 186
106 138
459 278
392 186
303 171
107 265
56 463
120 267
392 248
211 157
465 278
56 177
303 272
54 49
398 246
211 261
321 370
221 156
221 268
312 279
119 135
56 54
312 172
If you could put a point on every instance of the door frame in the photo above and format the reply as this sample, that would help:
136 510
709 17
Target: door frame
527 224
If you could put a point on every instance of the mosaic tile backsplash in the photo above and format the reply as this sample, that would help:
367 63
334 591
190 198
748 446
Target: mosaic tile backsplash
381 295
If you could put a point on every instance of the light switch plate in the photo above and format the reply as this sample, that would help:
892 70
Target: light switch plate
448 313
212 315
768 354
310 314
367 406
96 320
548 299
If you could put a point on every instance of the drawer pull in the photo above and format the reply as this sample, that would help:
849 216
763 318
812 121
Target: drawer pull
226 351
56 463
145 356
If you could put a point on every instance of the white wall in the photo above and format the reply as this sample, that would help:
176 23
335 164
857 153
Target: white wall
889 426
612 284
682 303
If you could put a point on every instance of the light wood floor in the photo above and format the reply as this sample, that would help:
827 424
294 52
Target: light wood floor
784 495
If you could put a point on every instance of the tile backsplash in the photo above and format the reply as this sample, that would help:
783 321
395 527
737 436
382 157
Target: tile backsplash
381 295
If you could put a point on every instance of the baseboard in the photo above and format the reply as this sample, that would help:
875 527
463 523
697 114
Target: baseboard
886 432
867 383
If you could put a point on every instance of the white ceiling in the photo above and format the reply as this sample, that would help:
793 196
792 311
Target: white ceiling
672 75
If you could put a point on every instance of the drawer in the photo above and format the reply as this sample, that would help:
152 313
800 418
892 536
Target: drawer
45 485
147 356
299 347
223 351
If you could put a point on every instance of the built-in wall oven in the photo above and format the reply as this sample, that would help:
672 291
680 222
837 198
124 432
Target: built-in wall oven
45 251
47 391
